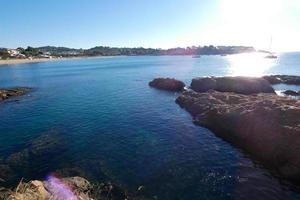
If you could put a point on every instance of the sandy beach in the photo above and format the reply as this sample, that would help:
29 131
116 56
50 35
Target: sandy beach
36 60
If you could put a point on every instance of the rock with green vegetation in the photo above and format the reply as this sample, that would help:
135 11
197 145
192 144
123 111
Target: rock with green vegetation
4 54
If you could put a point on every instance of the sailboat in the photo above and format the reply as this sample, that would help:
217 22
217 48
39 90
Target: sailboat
271 55
196 56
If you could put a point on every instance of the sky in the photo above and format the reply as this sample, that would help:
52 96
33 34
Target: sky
151 23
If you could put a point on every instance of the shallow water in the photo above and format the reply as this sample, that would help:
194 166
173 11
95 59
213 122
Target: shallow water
117 128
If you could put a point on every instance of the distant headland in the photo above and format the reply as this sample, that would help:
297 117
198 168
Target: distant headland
52 52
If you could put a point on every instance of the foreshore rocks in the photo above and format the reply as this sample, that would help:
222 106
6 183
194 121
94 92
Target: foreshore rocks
169 84
292 93
240 85
265 125
285 79
68 188
53 188
13 92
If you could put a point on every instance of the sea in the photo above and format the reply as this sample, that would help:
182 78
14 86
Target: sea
116 128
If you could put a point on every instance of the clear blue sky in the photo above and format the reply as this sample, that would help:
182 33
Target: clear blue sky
148 23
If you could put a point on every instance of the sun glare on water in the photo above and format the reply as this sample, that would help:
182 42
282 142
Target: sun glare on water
249 64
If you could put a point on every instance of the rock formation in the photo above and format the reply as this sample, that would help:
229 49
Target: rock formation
292 93
265 125
8 93
285 79
241 85
167 84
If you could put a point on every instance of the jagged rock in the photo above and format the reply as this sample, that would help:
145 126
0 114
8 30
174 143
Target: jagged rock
285 79
292 93
12 92
265 125
241 85
167 84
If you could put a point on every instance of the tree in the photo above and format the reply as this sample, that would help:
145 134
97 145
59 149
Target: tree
4 54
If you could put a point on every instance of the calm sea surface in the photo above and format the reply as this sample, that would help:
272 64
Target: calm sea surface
117 128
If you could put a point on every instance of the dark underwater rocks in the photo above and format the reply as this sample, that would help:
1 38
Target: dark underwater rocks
34 157
241 85
285 79
265 125
40 149
169 84
13 92
292 93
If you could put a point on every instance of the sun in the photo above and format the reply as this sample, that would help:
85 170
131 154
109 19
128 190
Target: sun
250 21
249 64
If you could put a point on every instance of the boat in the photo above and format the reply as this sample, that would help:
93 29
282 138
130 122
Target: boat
196 56
270 54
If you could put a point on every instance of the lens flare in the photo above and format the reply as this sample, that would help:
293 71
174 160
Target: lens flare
60 190
249 64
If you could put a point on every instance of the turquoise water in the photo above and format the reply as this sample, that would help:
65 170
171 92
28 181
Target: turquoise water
117 128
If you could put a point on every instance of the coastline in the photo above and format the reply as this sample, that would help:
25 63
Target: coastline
37 60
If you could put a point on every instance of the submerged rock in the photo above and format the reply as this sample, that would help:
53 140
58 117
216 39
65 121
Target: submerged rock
265 125
241 85
167 84
34 160
6 173
292 93
39 150
110 191
285 79
12 92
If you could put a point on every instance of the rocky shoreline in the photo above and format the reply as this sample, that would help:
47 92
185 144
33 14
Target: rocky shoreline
247 113
265 125
68 188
